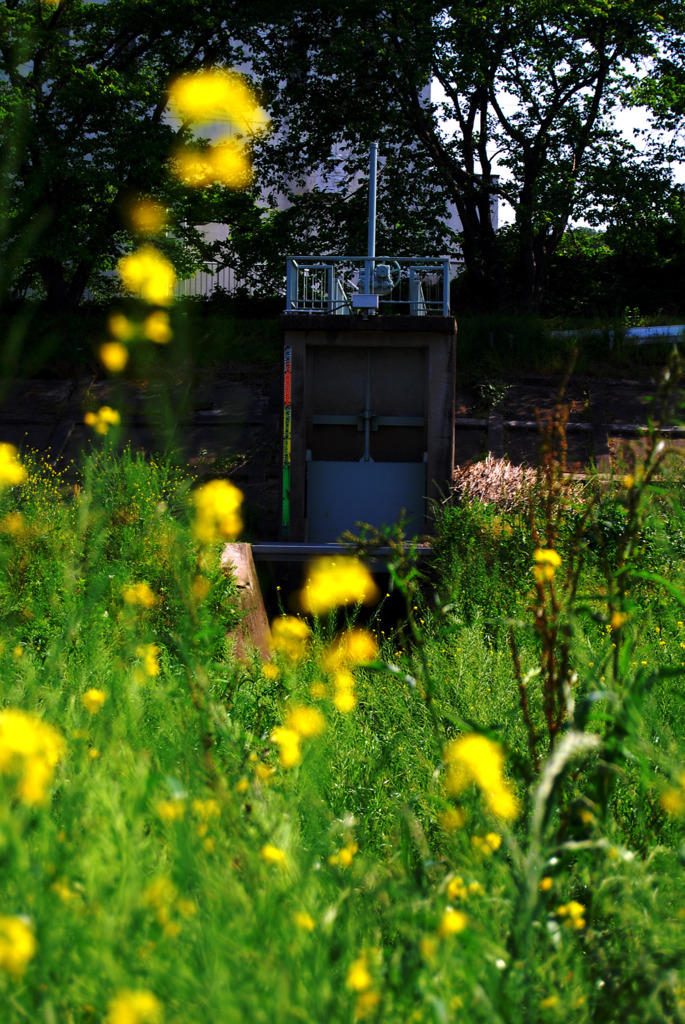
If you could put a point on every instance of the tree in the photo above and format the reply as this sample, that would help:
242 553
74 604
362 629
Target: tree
82 121
530 87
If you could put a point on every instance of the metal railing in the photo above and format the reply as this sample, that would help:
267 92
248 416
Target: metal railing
418 286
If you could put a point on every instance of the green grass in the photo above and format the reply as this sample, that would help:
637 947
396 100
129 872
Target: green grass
144 869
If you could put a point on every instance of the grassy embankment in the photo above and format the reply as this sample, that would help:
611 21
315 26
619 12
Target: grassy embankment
480 818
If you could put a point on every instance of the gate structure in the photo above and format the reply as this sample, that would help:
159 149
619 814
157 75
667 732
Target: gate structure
368 426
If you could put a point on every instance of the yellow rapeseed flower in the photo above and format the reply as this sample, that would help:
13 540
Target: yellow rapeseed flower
573 914
11 470
344 696
351 647
149 654
217 94
358 975
17 944
305 721
121 328
231 165
290 637
30 750
134 1007
139 594
474 758
488 844
547 562
344 857
103 419
171 810
452 922
334 581
113 356
147 216
288 743
157 328
217 511
304 921
93 700
149 274
273 855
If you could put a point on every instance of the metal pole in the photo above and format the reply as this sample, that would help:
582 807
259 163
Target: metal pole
371 243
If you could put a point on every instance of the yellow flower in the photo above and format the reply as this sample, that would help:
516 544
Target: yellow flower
366 1003
156 327
344 697
452 922
290 637
114 356
288 743
453 818
474 758
487 844
573 914
273 855
11 470
193 167
547 556
93 700
344 857
303 920
139 594
217 94
456 890
617 620
171 810
546 884
134 1007
103 419
149 274
270 671
17 944
149 653
217 511
337 581
352 647
29 750
306 722
628 481
121 328
147 216
358 976
548 561
206 809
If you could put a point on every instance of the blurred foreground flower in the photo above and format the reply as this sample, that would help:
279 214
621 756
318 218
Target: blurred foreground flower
217 94
217 512
141 1007
547 561
11 470
351 647
227 163
93 700
290 637
113 356
103 419
29 750
337 581
140 594
17 944
148 273
146 216
474 758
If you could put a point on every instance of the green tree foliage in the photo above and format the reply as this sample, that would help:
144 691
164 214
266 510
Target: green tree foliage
529 87
82 105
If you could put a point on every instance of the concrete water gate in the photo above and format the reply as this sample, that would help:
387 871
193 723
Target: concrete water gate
368 425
